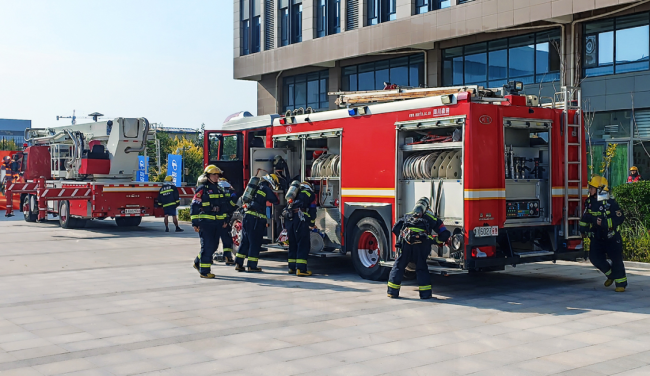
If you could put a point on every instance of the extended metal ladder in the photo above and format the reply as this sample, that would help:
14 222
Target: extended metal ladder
572 98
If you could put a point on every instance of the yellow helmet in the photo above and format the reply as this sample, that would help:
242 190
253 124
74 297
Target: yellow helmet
169 178
599 182
212 169
633 168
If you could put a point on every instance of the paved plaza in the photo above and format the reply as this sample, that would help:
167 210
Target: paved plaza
110 301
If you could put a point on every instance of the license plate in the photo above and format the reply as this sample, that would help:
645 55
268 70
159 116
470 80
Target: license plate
131 211
481 232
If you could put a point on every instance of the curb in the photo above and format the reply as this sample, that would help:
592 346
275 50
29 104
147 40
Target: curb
639 265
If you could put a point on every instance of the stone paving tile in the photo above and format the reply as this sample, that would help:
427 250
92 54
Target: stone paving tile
114 312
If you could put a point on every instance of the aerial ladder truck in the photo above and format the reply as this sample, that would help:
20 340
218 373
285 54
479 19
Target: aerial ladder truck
83 172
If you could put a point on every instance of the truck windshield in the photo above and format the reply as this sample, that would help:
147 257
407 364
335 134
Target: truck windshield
225 147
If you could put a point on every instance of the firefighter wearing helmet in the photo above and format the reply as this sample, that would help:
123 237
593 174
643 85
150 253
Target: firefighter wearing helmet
414 232
300 217
255 222
634 175
600 223
210 212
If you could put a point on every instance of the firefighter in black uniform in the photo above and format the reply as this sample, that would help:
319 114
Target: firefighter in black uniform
600 223
414 244
254 224
209 213
169 199
226 232
300 217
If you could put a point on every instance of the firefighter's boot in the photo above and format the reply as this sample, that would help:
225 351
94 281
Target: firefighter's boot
254 270
306 273
239 268
196 267
207 276
292 271
609 282
393 296
230 261
620 289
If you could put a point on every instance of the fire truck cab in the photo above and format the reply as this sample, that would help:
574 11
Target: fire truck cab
504 173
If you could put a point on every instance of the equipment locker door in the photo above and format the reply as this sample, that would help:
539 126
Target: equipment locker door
261 163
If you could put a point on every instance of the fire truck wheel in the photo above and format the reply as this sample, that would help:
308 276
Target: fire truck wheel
369 247
31 214
128 221
65 219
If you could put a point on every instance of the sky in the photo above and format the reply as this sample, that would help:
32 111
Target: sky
168 61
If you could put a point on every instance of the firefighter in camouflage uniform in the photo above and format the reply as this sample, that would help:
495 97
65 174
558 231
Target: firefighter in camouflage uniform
600 223
414 245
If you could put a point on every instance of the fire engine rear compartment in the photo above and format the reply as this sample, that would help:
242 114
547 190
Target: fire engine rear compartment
314 157
527 234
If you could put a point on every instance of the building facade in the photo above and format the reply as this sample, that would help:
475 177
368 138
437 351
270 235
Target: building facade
298 51
12 133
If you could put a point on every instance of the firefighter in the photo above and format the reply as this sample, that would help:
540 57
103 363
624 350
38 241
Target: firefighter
300 217
414 245
255 222
600 223
634 175
226 232
208 217
169 199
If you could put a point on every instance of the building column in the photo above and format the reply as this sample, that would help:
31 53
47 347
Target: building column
308 15
404 8
236 28
434 68
343 17
334 84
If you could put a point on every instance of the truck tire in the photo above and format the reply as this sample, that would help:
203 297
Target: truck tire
31 214
128 221
369 247
65 219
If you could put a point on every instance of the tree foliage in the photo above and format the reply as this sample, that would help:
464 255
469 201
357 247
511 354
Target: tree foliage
8 145
188 149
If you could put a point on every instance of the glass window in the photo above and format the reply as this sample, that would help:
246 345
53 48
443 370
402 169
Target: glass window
403 71
476 63
528 58
424 6
306 90
250 27
617 45
380 11
328 17
611 124
224 147
641 158
290 14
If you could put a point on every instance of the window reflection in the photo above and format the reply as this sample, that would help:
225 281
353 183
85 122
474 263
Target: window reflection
617 45
403 71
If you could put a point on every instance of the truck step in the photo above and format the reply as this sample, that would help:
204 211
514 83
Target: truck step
328 254
525 254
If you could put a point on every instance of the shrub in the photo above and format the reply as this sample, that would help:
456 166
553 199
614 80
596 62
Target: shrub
636 242
184 215
634 200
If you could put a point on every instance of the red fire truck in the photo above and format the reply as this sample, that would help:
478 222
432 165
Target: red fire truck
82 172
505 173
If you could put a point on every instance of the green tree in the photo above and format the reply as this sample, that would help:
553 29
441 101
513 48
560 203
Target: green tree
192 158
8 145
